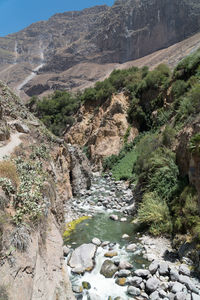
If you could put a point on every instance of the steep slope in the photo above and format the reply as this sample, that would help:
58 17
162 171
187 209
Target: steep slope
37 177
61 53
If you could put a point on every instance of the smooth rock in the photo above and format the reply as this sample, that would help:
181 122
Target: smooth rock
125 265
188 283
153 267
110 254
184 270
152 284
77 289
121 281
133 291
180 296
105 243
96 241
174 275
131 247
195 296
82 258
108 268
135 281
154 296
124 273
114 217
125 236
142 273
163 268
123 219
177 287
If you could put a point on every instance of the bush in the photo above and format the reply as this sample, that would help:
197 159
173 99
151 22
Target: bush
154 213
56 110
20 238
168 136
194 144
8 170
185 211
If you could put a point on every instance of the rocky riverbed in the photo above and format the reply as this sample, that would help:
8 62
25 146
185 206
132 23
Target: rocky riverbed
108 259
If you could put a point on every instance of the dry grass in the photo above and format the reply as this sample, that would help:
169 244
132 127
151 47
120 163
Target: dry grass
9 170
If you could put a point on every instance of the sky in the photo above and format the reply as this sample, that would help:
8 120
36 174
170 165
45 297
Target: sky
18 14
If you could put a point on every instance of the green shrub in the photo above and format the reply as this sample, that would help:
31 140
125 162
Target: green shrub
154 213
185 210
189 104
194 144
168 136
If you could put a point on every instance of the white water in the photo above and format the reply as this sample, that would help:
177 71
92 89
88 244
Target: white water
102 287
29 77
34 72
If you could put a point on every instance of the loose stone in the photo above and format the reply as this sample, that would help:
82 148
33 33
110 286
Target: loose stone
114 217
111 254
152 284
131 247
121 281
133 291
142 273
108 269
96 241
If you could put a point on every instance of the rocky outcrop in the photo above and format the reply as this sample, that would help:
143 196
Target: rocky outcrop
61 53
102 129
80 170
31 246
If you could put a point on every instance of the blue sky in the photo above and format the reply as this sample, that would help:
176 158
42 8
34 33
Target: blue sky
18 14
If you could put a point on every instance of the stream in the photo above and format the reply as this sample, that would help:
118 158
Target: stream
106 199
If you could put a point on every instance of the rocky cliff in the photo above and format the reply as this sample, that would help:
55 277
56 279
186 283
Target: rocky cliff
62 53
101 130
35 185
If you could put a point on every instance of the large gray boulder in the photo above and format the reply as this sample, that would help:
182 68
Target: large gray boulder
142 273
108 269
177 287
133 291
82 258
152 284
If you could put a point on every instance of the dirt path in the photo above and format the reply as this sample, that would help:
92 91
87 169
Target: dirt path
9 148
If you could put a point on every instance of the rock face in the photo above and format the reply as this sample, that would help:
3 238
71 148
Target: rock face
82 258
108 35
32 261
80 171
102 131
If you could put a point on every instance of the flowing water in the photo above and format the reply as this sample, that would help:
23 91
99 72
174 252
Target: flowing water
94 203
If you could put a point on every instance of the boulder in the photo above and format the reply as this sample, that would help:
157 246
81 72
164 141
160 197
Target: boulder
142 273
184 270
177 287
110 254
152 284
125 236
153 267
154 296
108 269
124 273
174 275
133 291
180 296
121 281
21 127
135 281
125 265
131 247
77 289
96 241
163 268
82 258
114 217
195 296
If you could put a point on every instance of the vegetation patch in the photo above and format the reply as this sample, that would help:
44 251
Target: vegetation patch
71 226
